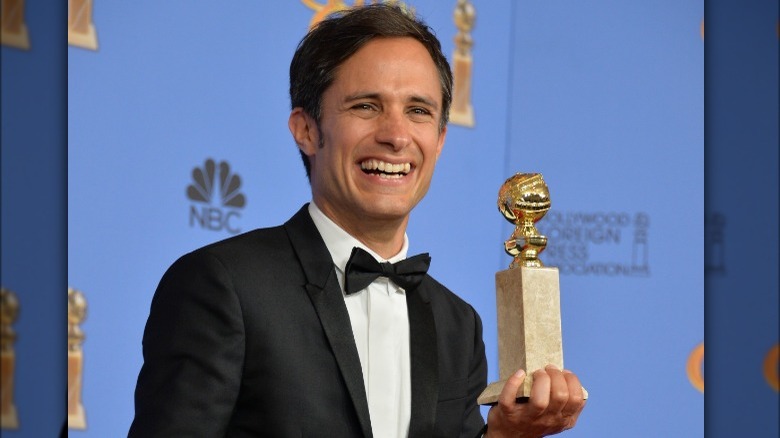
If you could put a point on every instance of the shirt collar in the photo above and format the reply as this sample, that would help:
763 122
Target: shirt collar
340 243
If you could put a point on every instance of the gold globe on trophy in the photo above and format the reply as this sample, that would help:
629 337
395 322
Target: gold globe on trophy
524 199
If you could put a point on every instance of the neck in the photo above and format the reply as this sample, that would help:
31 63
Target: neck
383 236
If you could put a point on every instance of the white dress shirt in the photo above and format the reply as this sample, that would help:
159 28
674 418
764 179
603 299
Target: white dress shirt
380 324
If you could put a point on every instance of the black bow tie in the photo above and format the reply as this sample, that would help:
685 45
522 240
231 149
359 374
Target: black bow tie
362 269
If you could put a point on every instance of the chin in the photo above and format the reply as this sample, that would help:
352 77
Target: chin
387 211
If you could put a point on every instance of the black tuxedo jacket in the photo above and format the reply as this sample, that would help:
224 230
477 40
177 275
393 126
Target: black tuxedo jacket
250 336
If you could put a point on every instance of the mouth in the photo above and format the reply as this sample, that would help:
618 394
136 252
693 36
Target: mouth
384 169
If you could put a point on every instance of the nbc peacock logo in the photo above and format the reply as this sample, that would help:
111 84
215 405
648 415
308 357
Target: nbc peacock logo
216 195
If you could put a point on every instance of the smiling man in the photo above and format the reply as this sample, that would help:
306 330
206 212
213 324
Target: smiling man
323 326
373 151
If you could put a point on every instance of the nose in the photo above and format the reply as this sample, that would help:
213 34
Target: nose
393 130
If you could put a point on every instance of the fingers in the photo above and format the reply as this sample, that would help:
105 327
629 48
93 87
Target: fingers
540 392
556 392
559 390
576 401
509 393
555 403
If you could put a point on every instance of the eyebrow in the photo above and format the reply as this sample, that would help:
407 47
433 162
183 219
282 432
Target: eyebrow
361 96
369 95
425 100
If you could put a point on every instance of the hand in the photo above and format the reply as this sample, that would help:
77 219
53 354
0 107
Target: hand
554 405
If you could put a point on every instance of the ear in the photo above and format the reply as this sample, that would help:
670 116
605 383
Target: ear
440 146
304 131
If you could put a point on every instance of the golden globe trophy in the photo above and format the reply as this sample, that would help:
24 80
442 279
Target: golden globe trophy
77 312
9 310
528 293
81 29
461 112
13 29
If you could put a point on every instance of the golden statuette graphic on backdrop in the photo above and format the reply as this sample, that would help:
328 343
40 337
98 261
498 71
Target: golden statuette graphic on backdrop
81 30
13 30
462 112
77 312
9 310
322 10
528 293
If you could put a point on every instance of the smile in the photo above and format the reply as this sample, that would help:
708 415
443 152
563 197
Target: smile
384 169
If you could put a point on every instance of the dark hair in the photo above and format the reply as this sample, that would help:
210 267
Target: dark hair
335 39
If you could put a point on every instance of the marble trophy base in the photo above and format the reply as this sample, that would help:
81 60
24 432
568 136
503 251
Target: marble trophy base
529 326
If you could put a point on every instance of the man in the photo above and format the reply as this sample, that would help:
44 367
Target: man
285 331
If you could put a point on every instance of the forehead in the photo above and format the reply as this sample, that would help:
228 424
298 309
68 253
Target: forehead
390 63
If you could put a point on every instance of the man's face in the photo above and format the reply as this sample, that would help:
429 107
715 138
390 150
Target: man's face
380 135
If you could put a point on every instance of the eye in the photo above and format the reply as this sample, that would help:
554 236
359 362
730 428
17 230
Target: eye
420 114
363 107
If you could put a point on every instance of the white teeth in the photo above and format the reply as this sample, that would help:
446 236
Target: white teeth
386 169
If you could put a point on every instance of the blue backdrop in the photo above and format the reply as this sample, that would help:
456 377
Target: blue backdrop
606 99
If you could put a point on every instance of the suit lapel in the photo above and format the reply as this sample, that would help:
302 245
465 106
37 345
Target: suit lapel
325 294
425 362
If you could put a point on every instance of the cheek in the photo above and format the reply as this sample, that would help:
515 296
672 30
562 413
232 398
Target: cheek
339 148
431 139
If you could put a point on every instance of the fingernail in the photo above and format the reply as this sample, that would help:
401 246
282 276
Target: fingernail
520 374
551 367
